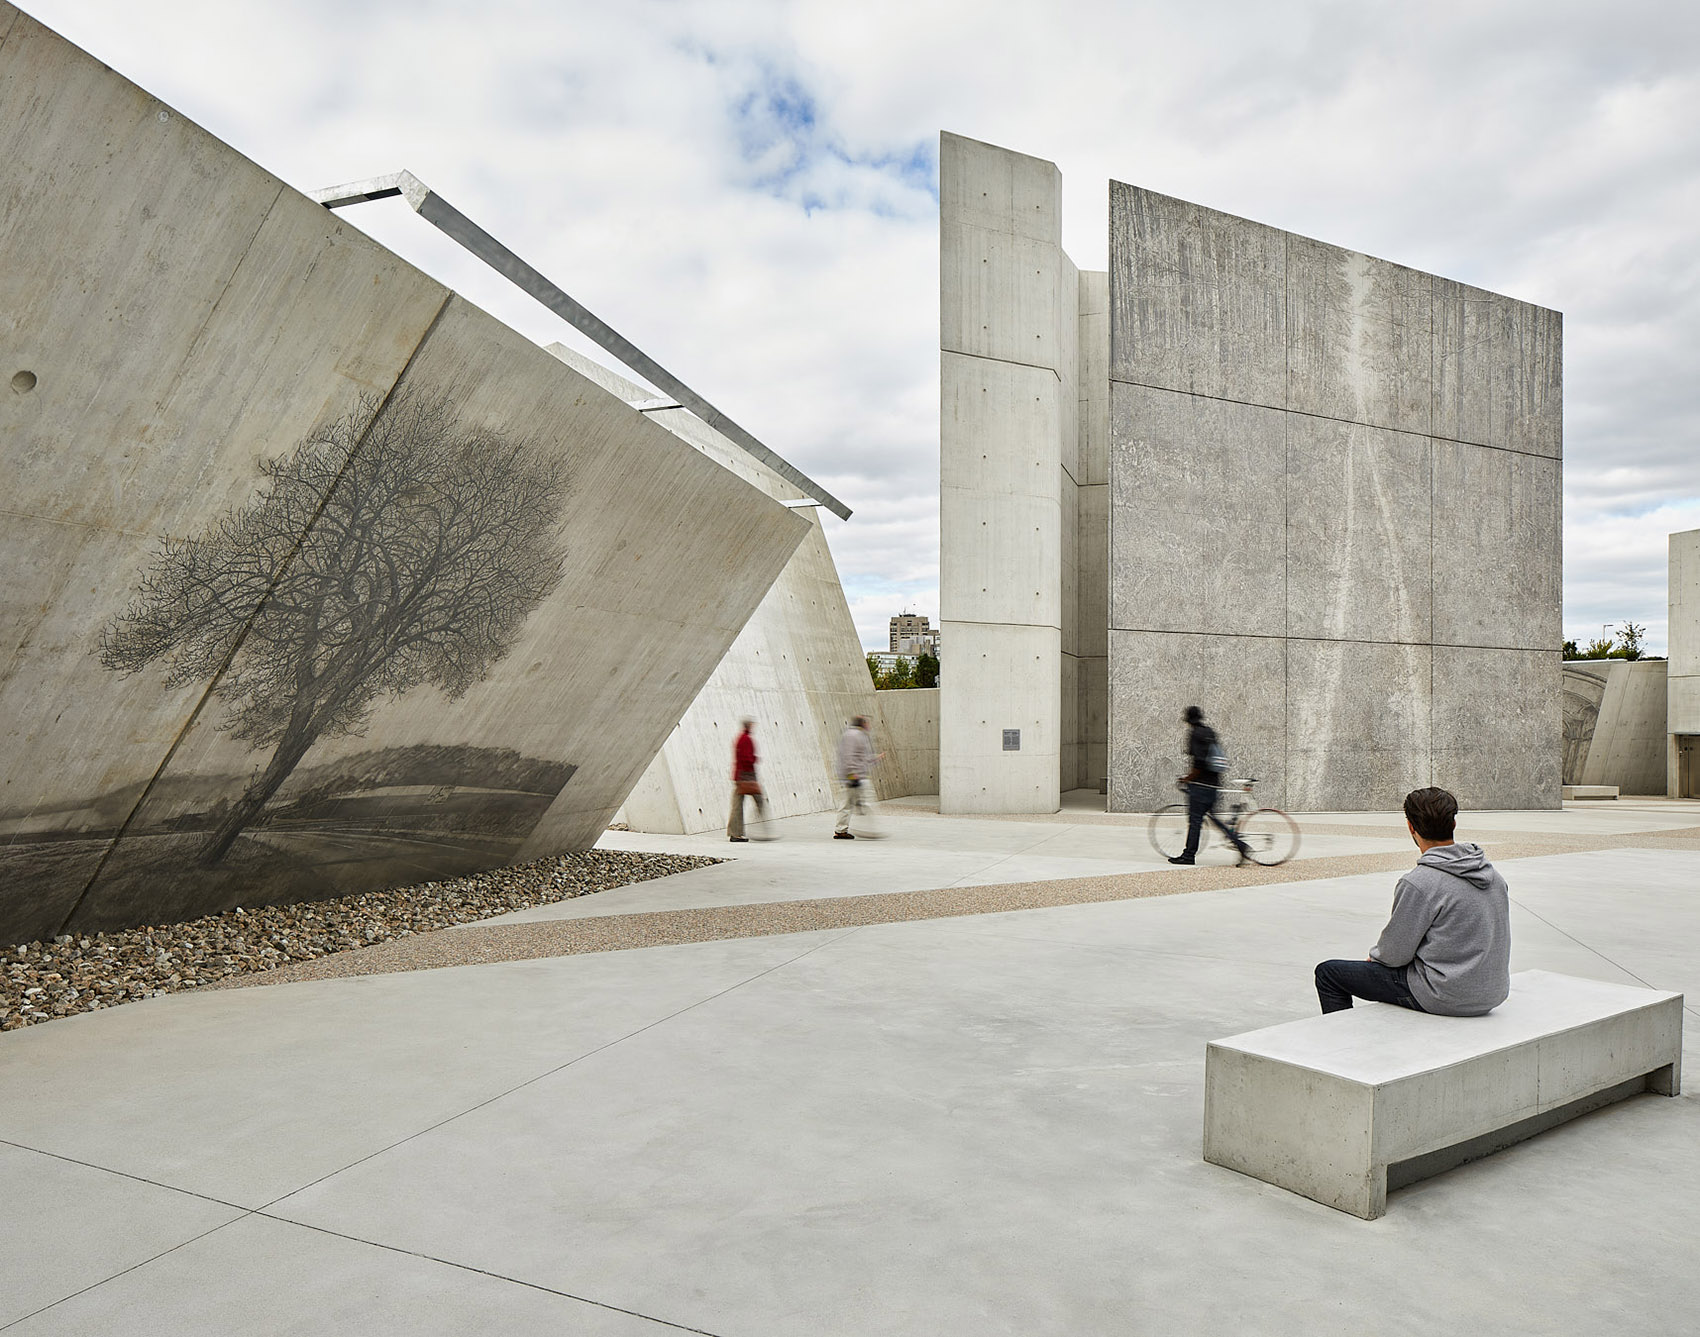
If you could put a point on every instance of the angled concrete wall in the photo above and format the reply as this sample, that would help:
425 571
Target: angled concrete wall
1615 724
173 318
1334 518
1008 299
1683 708
797 668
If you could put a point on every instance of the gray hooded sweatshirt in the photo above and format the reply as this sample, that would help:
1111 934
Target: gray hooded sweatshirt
1451 926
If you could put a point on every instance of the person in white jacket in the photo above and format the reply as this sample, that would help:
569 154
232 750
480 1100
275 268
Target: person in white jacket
856 758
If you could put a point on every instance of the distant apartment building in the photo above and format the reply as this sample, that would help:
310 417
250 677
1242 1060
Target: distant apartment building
910 635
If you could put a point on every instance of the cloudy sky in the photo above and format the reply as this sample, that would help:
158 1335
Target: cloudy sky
749 191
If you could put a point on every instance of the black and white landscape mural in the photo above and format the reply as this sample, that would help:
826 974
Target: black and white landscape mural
397 549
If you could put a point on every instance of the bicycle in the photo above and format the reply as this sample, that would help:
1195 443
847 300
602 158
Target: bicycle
1271 837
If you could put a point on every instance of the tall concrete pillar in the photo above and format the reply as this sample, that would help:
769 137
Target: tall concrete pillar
1007 330
1682 685
1092 530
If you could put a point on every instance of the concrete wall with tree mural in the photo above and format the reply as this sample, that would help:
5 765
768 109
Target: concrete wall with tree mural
319 578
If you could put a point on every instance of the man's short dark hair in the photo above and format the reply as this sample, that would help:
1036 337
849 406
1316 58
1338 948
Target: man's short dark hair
1193 715
1433 812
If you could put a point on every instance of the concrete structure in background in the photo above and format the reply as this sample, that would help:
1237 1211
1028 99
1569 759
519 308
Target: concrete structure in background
1316 493
1008 483
797 666
1683 688
1615 725
224 412
906 729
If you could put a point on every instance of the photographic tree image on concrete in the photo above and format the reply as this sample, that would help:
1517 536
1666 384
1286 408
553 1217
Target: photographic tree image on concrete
392 549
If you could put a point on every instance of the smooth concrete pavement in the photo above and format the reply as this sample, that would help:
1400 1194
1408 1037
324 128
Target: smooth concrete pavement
983 1124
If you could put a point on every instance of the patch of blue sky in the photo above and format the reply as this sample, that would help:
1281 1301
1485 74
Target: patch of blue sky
791 155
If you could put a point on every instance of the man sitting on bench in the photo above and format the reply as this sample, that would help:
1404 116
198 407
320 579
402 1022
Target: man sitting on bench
1447 948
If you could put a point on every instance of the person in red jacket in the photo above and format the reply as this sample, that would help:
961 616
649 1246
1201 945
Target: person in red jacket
744 783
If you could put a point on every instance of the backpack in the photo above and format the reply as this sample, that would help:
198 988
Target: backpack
1216 759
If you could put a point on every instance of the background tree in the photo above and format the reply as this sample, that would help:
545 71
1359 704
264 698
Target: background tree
1629 639
927 670
375 558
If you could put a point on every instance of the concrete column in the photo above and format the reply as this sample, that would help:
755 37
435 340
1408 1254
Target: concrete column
1682 700
1092 527
1008 300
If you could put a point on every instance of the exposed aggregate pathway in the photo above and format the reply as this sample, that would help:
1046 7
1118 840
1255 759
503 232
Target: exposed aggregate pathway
434 924
482 944
43 980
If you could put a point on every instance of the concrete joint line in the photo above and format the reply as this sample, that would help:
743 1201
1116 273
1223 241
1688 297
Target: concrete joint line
538 1077
237 644
1321 417
479 1271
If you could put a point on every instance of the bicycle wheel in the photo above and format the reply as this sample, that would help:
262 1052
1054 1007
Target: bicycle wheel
1168 830
1270 835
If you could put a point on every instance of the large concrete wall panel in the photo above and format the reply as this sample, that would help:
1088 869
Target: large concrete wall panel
1358 461
1155 676
1357 543
1497 719
1357 722
186 319
1359 337
1498 527
1197 299
1197 523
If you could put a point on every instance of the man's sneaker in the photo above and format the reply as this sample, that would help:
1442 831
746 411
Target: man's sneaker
1181 858
739 840
842 835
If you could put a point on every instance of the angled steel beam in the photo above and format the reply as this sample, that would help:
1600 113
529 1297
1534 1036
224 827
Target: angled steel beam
434 209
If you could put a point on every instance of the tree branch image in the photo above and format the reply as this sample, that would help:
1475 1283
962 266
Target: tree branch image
394 548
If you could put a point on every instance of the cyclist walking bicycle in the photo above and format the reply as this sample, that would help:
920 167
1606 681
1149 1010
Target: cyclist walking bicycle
1263 835
1201 783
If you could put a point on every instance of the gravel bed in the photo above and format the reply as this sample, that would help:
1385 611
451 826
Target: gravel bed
43 980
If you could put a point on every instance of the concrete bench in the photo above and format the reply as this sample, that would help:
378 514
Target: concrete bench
1343 1107
1570 793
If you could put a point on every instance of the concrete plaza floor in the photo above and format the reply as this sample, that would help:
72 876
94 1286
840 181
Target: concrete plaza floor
981 1124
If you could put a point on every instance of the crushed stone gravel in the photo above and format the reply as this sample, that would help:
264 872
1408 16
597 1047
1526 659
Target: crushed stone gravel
80 973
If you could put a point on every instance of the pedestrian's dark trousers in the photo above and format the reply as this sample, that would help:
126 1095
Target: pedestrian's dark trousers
1201 803
1338 982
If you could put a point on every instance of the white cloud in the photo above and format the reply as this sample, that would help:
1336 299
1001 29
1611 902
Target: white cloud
745 189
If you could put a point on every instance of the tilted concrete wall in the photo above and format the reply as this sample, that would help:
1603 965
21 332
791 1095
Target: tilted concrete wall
906 729
797 668
1614 724
1683 702
1008 301
171 317
1335 518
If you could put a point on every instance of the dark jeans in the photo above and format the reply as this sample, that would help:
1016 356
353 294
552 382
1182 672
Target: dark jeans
1201 803
1338 982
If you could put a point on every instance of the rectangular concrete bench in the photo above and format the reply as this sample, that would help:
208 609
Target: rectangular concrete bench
1343 1107
1574 792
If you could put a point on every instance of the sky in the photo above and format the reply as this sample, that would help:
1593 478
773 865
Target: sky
749 192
